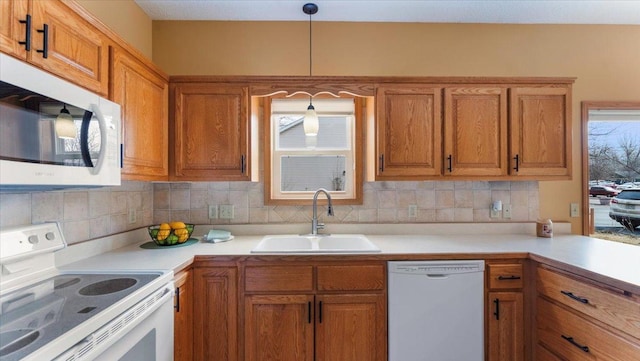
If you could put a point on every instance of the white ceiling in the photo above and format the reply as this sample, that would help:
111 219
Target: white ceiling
431 11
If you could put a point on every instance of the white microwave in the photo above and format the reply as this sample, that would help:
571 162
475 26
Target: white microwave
54 134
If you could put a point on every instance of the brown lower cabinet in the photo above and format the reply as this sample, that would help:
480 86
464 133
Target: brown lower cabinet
315 311
215 314
183 316
578 318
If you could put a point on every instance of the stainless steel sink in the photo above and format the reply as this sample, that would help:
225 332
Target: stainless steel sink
335 243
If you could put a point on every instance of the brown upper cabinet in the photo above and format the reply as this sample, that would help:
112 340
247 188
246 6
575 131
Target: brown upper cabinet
475 131
541 131
408 132
210 132
143 93
488 129
49 35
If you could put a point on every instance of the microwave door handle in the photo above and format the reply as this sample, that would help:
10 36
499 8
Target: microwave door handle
102 124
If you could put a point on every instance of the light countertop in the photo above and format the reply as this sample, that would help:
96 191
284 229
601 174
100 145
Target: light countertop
617 263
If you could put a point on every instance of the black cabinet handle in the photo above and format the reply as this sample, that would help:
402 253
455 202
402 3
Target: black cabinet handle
320 311
510 277
574 297
517 159
381 163
309 311
497 311
45 41
573 342
450 167
242 164
177 305
27 34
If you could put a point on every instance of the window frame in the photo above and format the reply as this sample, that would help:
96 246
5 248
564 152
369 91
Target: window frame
305 198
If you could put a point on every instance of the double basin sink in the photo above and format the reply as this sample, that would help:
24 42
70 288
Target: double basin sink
334 243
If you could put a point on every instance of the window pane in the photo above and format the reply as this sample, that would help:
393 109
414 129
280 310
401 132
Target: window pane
332 134
308 173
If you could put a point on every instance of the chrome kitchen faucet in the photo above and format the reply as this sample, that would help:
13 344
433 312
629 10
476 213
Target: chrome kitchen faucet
315 226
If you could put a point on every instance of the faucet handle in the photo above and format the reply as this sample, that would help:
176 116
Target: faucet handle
320 226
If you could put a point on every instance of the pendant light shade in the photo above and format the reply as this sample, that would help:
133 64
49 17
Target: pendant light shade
64 125
311 124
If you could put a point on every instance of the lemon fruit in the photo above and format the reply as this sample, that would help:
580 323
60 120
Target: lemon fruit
182 234
177 225
163 232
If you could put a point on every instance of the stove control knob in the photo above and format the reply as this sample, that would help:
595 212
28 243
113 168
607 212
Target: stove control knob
50 236
33 239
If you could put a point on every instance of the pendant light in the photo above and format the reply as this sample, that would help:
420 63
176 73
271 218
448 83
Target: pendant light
310 123
64 125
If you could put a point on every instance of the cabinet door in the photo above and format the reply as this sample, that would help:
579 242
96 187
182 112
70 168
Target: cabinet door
408 126
279 328
144 97
76 51
215 315
12 31
183 317
506 317
351 328
475 128
211 140
540 131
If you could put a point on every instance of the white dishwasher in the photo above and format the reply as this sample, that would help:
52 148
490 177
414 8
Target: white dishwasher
436 310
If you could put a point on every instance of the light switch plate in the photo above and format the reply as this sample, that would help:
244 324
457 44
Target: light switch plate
575 210
132 216
413 211
213 211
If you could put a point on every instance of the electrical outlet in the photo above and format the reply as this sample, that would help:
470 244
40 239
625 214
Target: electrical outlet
226 211
506 211
575 210
132 215
413 211
213 212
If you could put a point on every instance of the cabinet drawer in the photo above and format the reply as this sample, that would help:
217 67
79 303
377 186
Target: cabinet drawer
575 338
351 278
613 309
278 278
508 275
542 354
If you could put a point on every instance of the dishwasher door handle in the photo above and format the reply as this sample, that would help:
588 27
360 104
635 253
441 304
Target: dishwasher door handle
437 276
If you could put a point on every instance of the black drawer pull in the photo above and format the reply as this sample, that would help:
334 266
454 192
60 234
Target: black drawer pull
381 168
450 160
574 297
517 159
497 311
506 278
27 34
309 311
573 342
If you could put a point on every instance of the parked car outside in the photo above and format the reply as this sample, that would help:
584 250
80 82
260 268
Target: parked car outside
625 208
602 191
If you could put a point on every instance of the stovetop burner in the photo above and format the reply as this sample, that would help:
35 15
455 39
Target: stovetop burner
35 315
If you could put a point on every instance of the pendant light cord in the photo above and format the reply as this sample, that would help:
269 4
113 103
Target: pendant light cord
310 54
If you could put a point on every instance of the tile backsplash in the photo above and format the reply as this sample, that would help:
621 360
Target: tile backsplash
384 202
83 213
92 213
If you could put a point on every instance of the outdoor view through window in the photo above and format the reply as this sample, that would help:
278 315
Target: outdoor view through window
614 174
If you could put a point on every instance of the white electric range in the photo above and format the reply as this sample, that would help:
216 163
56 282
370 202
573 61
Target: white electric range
47 314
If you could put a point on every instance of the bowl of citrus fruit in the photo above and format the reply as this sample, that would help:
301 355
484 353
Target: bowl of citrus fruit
170 234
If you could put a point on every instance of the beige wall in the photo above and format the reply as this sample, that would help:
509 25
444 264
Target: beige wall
125 18
603 58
